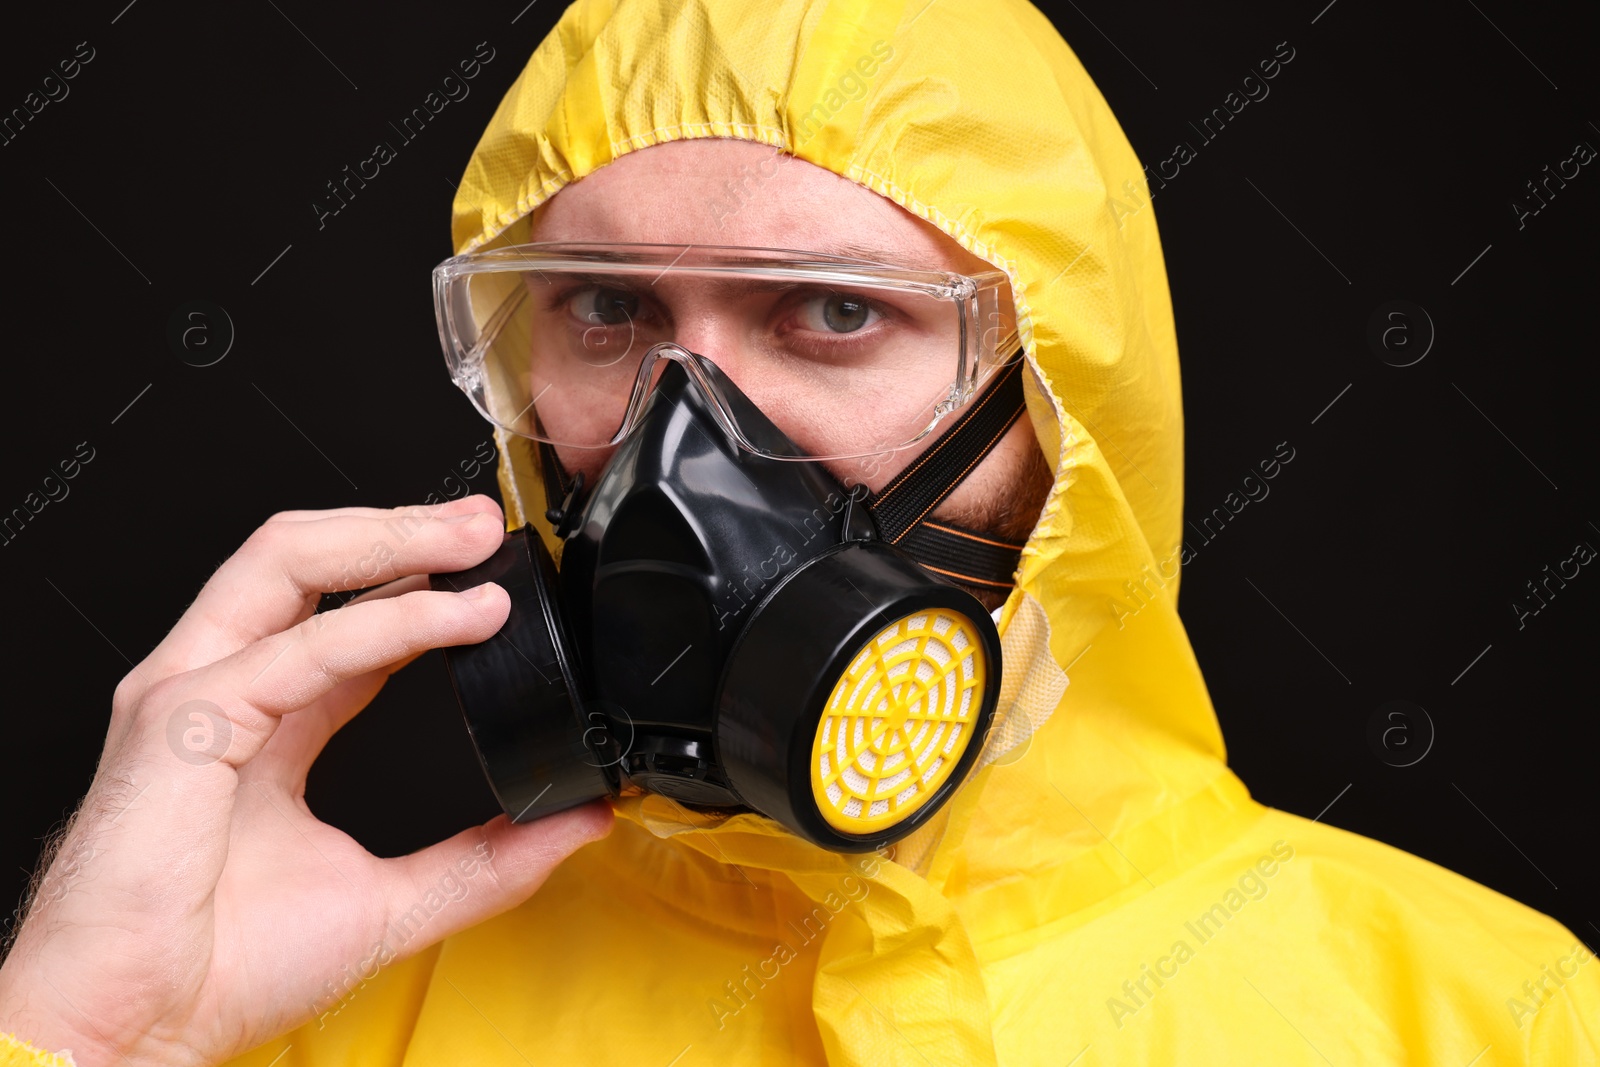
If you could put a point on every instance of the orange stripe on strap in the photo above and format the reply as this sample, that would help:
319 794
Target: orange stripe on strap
971 537
969 579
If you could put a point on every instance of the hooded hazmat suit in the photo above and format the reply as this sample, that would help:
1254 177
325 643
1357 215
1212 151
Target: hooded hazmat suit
1104 890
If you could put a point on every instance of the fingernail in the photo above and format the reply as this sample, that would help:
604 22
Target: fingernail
468 517
478 592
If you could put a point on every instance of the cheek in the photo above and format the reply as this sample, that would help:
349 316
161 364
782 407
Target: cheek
873 472
590 462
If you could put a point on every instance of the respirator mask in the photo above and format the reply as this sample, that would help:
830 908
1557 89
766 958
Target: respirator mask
732 625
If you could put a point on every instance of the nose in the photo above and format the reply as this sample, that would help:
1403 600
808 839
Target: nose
715 336
702 322
676 370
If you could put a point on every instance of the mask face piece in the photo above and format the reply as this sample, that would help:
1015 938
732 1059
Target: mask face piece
727 630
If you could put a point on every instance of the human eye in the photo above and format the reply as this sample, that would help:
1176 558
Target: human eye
589 306
824 322
837 313
598 321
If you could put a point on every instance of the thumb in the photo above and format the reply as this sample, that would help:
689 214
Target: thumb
481 872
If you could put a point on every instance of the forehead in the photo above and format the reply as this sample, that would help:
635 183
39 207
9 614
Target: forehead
727 191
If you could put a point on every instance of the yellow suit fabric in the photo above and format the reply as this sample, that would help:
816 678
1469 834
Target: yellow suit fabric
1105 890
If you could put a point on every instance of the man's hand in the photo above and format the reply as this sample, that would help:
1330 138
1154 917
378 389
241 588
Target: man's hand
196 908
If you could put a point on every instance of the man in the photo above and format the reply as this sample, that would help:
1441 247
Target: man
1104 890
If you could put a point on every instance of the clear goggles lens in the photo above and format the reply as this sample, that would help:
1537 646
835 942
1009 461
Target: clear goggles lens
561 342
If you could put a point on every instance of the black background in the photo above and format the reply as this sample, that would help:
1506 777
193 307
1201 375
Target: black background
1382 567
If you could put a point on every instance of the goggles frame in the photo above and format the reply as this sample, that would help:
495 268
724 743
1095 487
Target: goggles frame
981 352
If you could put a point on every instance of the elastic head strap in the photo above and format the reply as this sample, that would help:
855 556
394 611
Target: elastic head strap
902 507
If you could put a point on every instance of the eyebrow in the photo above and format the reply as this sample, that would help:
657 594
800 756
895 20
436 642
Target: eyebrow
876 255
730 286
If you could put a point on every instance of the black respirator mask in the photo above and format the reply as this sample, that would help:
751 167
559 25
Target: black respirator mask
739 632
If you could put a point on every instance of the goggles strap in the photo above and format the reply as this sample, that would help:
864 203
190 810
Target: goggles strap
902 507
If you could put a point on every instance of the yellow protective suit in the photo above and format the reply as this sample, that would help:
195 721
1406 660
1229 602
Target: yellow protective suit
1104 891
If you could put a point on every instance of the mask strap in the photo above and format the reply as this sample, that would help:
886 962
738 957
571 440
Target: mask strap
560 495
902 507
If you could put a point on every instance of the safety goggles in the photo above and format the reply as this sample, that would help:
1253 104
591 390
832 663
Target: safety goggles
561 342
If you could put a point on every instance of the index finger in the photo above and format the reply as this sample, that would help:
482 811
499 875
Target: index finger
275 579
